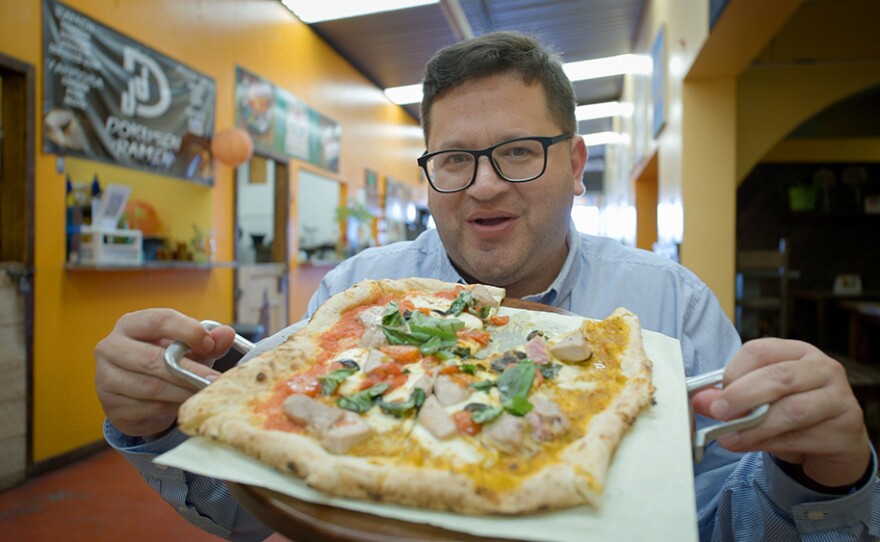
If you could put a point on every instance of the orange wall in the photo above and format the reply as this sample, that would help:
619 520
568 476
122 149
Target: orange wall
75 309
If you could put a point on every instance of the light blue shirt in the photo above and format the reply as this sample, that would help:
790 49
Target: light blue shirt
743 497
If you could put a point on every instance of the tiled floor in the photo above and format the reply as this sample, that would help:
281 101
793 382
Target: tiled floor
101 498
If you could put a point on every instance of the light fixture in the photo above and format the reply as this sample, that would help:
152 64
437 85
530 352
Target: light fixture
317 11
606 67
408 94
603 110
605 138
576 71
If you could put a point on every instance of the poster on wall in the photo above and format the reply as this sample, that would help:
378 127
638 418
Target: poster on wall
282 124
109 98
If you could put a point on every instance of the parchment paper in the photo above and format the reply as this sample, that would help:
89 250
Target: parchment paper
649 494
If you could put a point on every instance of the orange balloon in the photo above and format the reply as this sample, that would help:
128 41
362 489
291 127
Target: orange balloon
232 146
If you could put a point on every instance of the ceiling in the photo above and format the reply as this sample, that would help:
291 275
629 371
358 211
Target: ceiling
392 48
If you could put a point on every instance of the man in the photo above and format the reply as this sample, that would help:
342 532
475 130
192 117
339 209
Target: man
502 206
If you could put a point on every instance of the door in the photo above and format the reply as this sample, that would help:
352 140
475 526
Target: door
261 222
16 266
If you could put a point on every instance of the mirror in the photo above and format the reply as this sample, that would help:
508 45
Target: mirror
317 203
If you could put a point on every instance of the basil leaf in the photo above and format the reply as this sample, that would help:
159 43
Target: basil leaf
392 316
468 368
435 327
330 381
435 344
397 336
516 380
402 408
486 415
362 401
518 406
483 385
461 303
418 396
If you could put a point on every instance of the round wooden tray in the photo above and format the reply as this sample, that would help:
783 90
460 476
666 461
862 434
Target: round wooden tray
303 521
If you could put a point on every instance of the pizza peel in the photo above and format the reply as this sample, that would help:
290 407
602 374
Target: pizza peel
301 520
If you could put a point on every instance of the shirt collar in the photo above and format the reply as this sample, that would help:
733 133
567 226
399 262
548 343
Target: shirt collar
561 287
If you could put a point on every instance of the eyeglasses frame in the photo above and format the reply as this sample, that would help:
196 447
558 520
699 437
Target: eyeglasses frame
545 141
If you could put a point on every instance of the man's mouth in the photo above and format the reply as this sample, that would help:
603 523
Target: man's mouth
494 221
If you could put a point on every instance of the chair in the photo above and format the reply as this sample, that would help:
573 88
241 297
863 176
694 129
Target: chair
763 292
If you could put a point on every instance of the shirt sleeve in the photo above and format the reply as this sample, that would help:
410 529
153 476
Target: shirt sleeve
204 502
748 496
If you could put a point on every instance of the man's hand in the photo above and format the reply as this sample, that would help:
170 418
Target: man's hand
137 391
814 419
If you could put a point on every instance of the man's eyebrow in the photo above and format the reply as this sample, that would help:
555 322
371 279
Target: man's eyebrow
455 144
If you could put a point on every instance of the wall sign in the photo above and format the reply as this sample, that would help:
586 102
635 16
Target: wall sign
112 99
283 125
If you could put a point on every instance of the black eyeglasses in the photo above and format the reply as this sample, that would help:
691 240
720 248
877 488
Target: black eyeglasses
517 161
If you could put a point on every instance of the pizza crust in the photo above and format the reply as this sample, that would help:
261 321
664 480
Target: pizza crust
221 412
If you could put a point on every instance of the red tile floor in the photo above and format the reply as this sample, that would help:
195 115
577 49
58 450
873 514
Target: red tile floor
99 498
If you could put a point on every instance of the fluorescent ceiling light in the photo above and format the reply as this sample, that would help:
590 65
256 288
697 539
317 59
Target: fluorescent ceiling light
605 138
316 11
576 71
603 110
606 67
409 94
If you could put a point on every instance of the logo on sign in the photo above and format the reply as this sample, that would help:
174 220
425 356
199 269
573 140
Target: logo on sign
138 99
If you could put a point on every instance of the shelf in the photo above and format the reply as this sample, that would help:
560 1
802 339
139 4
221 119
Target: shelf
151 266
760 303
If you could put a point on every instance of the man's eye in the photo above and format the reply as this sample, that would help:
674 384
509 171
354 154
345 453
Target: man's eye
517 152
453 160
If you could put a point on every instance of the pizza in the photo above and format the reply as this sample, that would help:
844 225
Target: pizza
431 394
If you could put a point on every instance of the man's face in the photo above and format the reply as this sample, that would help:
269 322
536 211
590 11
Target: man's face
497 232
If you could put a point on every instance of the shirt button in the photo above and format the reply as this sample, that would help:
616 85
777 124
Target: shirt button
815 515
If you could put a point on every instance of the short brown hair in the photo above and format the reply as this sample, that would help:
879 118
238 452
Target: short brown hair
500 53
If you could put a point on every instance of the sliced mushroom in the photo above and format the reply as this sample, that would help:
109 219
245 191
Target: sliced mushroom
484 296
337 429
310 412
548 421
506 433
449 392
571 347
351 429
426 383
436 420
373 359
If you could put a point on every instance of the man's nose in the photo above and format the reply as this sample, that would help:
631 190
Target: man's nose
487 182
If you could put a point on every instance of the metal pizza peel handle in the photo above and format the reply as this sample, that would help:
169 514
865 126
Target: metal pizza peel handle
703 436
177 350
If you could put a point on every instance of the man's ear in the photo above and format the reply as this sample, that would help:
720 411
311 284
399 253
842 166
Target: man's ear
578 161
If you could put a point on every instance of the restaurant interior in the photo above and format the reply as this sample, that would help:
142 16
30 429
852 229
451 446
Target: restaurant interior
734 137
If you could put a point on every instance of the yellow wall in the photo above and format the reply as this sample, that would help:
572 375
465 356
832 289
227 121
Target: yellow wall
75 309
697 149
862 149
773 101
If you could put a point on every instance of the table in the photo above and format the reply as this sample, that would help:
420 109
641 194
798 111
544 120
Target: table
864 316
825 301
